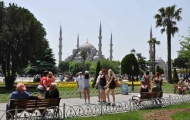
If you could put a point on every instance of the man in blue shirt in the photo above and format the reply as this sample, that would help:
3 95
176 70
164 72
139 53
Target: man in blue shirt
20 93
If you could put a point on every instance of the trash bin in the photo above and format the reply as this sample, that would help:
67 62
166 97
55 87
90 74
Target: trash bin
124 88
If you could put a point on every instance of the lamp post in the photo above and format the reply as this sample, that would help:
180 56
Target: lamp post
132 88
133 51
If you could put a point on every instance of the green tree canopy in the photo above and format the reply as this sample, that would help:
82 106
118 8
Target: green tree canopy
41 63
21 37
166 18
97 74
114 65
63 66
142 62
129 65
175 76
83 54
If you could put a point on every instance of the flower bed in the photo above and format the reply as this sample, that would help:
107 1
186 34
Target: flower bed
70 84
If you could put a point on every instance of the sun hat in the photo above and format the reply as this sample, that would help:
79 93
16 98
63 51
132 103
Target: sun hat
21 86
86 72
80 72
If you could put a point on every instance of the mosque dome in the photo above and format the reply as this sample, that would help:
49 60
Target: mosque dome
96 57
86 46
159 60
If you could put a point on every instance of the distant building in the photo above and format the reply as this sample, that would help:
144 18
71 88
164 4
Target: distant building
92 53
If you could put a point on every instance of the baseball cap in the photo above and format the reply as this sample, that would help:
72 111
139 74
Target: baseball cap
86 72
21 86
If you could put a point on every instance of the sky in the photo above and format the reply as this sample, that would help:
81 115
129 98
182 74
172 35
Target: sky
129 21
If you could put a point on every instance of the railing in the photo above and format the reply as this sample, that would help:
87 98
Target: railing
4 98
66 111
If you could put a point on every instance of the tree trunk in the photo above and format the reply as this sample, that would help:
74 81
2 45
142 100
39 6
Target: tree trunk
154 59
169 57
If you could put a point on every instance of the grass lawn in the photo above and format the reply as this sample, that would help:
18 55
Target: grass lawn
166 86
138 115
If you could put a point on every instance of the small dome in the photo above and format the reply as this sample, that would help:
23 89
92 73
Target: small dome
159 60
86 46
96 57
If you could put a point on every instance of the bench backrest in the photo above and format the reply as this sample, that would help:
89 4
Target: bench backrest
155 94
48 102
146 95
149 95
26 103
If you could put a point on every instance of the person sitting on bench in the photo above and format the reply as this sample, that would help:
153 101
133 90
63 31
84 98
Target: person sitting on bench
52 91
181 86
188 85
20 93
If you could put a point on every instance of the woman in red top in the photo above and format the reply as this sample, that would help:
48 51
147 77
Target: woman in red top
51 79
43 82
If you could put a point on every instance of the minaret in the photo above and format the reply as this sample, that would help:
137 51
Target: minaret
60 45
78 42
111 50
150 45
100 42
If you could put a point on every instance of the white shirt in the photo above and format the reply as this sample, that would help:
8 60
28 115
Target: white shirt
98 78
80 80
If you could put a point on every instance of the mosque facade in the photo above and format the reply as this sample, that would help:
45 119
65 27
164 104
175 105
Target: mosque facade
93 54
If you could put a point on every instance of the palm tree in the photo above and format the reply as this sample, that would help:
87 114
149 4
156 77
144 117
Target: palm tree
166 19
153 42
83 54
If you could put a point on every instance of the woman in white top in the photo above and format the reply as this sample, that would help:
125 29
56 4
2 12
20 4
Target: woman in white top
86 86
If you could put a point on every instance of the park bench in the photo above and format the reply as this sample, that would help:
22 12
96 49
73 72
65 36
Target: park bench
31 105
147 96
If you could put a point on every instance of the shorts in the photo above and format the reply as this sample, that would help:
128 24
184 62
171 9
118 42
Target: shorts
80 89
102 87
111 87
86 87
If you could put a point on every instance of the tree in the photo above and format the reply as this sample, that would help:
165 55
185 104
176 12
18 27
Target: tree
84 56
126 65
142 62
107 64
41 63
21 37
175 76
181 62
63 66
97 74
87 65
153 41
166 18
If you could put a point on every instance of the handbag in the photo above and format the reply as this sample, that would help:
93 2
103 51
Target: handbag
117 84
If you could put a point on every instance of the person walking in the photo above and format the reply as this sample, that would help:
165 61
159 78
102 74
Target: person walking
102 81
98 86
79 81
86 86
110 87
